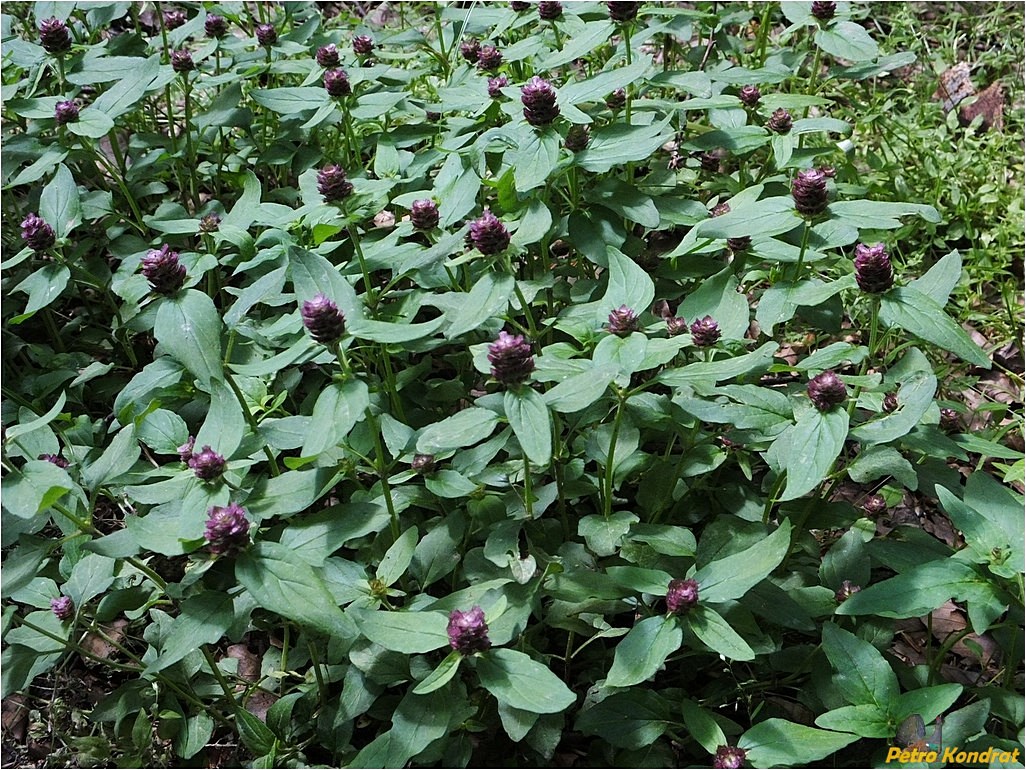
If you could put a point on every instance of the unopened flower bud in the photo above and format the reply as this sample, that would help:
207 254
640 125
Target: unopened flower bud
363 45
676 326
749 95
206 464
617 99
681 595
874 505
577 138
227 529
873 271
185 450
809 192
823 9
519 7
327 56
622 321
549 10
322 318
210 223
489 58
215 26
511 359
780 121
495 86
57 460
890 402
423 464
63 608
468 632
336 83
174 19
424 214
266 35
54 36
949 421
65 112
826 391
488 234
705 332
622 11
729 757
163 270
332 184
181 61
847 590
740 244
720 209
36 233
539 100
470 48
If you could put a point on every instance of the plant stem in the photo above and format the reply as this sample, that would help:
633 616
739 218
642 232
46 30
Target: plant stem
251 419
528 493
367 286
190 150
607 503
383 474
801 254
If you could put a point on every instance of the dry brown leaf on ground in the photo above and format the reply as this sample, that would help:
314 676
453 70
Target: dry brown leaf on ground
990 104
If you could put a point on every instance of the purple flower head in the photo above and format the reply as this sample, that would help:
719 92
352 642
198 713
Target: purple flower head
539 100
949 421
874 505
873 271
363 45
468 632
185 450
740 244
622 11
519 7
470 47
181 61
890 402
549 10
511 359
215 26
847 590
617 99
227 529
57 460
424 214
749 95
676 326
730 757
826 391
681 595
577 138
489 58
332 184
622 321
210 223
327 56
163 270
54 36
809 191
323 319
705 332
336 83
174 19
36 233
488 234
720 209
266 35
495 86
780 121
423 464
824 10
63 608
65 112
206 464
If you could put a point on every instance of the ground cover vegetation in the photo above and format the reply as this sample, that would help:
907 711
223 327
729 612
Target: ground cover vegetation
512 384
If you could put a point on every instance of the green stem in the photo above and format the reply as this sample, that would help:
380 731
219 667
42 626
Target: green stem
771 500
322 691
225 688
190 150
801 253
367 286
528 494
103 161
383 474
251 419
607 503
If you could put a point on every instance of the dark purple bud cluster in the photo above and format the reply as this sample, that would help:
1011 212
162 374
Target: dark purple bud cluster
266 35
539 100
163 270
949 420
65 112
322 318
206 464
519 7
489 58
622 321
874 505
185 450
511 358
729 757
740 244
227 529
809 191
327 56
215 26
495 86
174 19
424 214
710 162
363 45
577 138
423 464
873 271
468 632
36 233
57 460
890 402
675 326
780 121
705 332
549 10
332 184
826 391
336 83
54 36
824 10
63 608
681 595
617 99
470 48
846 591
210 223
181 61
622 11
488 235
749 95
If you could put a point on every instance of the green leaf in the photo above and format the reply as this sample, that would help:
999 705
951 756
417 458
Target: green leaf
536 158
939 281
603 535
780 301
627 354
909 309
381 331
807 451
521 682
879 215
34 488
445 671
731 577
779 743
282 582
531 422
1001 507
290 100
629 720
489 298
628 285
986 536
163 431
716 633
928 702
398 557
619 143
405 632
91 123
624 200
14 431
702 726
862 676
533 225
115 460
770 216
336 412
847 40
91 576
581 390
59 203
254 733
225 424
866 720
312 274
194 735
204 619
43 287
702 373
880 461
641 653
290 492
718 297
915 397
464 428
188 326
